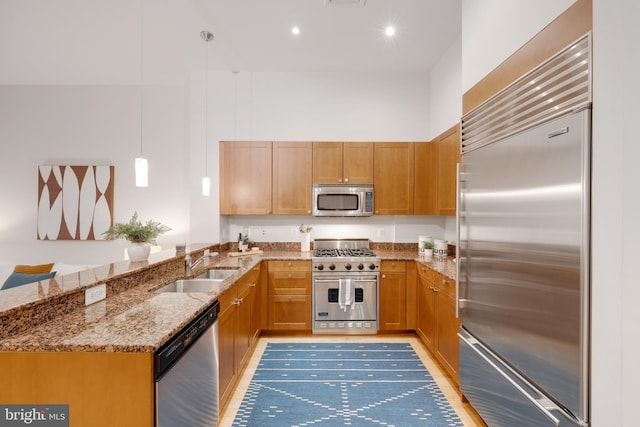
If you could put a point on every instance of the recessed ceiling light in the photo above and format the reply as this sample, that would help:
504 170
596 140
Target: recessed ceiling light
390 31
295 31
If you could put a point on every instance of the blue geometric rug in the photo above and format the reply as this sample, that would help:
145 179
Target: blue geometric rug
343 384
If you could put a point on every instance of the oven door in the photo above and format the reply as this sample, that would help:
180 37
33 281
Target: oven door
326 297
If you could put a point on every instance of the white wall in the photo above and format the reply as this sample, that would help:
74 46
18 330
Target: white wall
445 90
86 125
492 30
315 107
616 207
615 201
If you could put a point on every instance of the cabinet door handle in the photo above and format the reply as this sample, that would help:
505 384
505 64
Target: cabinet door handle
253 285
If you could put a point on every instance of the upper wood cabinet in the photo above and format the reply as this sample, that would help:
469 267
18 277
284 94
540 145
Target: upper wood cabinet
426 179
435 174
393 178
245 178
342 162
448 157
292 183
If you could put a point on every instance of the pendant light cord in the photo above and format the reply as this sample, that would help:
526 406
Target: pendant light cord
206 108
141 70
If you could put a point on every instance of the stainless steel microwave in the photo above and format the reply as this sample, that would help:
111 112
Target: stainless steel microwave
342 200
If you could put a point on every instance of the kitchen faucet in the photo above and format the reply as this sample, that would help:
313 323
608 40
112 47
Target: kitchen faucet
188 266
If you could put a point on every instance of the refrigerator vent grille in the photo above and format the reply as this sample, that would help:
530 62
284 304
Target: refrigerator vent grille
553 89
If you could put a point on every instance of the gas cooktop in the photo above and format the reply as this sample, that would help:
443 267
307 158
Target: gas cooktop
352 253
344 255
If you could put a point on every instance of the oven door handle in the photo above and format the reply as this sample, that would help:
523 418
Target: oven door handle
336 280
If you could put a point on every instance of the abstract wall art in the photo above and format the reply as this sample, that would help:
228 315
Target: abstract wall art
74 202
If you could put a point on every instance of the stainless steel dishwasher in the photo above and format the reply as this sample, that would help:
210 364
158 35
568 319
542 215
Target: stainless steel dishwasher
186 374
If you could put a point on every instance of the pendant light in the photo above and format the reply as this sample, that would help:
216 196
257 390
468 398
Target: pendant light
141 164
206 182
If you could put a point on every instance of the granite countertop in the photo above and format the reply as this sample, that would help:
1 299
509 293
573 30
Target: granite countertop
141 320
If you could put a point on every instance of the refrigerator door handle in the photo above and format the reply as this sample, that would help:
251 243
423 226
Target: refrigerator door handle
543 403
458 187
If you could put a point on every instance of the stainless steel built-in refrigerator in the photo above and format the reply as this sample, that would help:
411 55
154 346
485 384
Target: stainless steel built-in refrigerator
524 259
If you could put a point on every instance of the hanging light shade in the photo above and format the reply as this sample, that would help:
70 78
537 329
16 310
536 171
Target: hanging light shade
206 182
142 172
206 186
141 164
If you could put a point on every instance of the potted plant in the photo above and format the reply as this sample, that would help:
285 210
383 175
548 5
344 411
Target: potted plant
427 249
140 235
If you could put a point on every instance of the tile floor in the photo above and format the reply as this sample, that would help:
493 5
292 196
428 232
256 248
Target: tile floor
464 410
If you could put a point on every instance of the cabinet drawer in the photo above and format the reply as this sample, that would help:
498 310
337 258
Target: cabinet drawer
393 266
228 299
289 266
289 283
427 273
446 285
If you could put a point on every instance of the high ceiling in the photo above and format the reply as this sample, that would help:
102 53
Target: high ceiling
99 41
256 34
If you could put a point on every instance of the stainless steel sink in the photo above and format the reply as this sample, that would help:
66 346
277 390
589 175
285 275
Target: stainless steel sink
191 285
216 274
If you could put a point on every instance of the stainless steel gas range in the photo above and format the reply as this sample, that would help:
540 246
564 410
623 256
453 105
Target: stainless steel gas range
345 286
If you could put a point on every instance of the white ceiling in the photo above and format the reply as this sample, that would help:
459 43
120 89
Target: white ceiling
255 34
99 41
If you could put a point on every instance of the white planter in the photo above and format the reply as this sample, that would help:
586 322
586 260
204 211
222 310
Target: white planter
139 252
305 242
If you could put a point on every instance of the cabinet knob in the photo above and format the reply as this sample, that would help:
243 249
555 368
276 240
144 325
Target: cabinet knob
289 264
384 276
346 180
309 212
289 276
290 299
339 179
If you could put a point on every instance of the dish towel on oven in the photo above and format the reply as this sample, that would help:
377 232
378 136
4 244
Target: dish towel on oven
346 293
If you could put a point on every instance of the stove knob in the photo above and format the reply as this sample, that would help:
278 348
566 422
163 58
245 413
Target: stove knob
332 267
372 266
320 267
360 267
347 267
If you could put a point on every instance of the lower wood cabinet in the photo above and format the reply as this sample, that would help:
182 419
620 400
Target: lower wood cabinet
393 296
102 389
238 329
436 322
289 295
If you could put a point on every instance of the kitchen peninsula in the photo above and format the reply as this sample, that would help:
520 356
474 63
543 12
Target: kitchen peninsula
99 358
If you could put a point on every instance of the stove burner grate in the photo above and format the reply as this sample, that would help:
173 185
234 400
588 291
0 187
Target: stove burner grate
360 252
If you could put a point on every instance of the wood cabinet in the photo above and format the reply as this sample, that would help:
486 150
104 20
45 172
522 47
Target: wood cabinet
436 322
426 179
435 174
393 295
342 162
292 178
245 178
289 296
393 178
448 144
238 329
102 389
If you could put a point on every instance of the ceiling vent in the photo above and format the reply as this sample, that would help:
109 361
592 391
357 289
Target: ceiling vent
344 2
